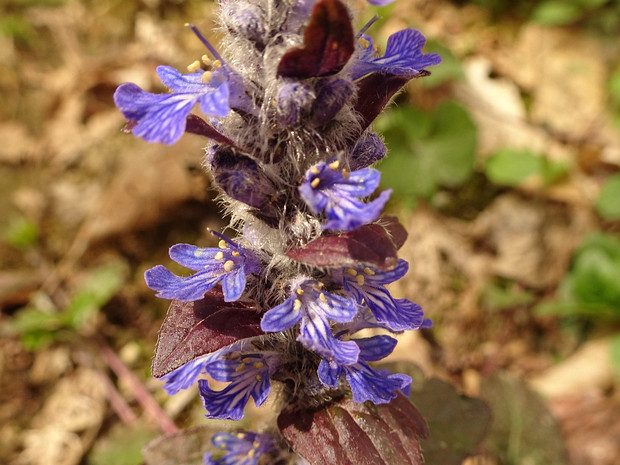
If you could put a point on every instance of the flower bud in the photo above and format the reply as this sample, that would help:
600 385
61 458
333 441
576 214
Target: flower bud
332 96
368 150
245 19
294 100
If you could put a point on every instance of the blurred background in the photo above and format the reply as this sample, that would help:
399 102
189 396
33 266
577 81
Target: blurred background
505 169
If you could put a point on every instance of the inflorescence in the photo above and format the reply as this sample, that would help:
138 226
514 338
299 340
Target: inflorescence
287 109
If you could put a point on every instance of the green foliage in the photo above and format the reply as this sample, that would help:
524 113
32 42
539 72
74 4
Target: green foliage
608 203
561 12
450 68
427 150
592 287
504 296
523 430
22 233
39 327
511 167
121 446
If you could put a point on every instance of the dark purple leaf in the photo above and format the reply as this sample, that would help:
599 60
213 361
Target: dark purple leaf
185 447
375 91
397 231
192 329
348 433
328 44
196 125
370 244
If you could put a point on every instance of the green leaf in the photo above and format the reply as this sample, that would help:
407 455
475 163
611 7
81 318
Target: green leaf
498 297
22 233
184 447
96 290
608 203
556 12
615 353
121 446
457 423
523 429
510 167
427 150
450 68
613 86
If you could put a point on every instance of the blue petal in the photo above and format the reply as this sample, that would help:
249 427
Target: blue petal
329 373
360 183
316 335
170 286
193 257
379 2
281 317
349 214
403 56
378 386
160 117
376 347
179 82
233 285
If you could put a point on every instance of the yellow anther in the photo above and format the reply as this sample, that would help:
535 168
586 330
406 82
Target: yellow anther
246 360
322 297
206 77
216 64
194 66
229 265
360 279
334 165
369 272
315 182
335 46
256 444
257 378
314 170
258 365
345 173
364 43
297 304
300 291
318 286
219 255
206 60
240 435
222 244
240 367
352 272
252 452
235 254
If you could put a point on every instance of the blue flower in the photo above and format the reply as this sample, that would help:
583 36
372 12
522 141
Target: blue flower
228 264
403 56
313 308
161 117
248 376
366 383
367 285
243 448
186 375
379 2
327 187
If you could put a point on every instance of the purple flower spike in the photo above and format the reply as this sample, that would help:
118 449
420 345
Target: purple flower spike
243 448
378 386
161 117
248 377
229 265
336 191
368 285
313 307
403 56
